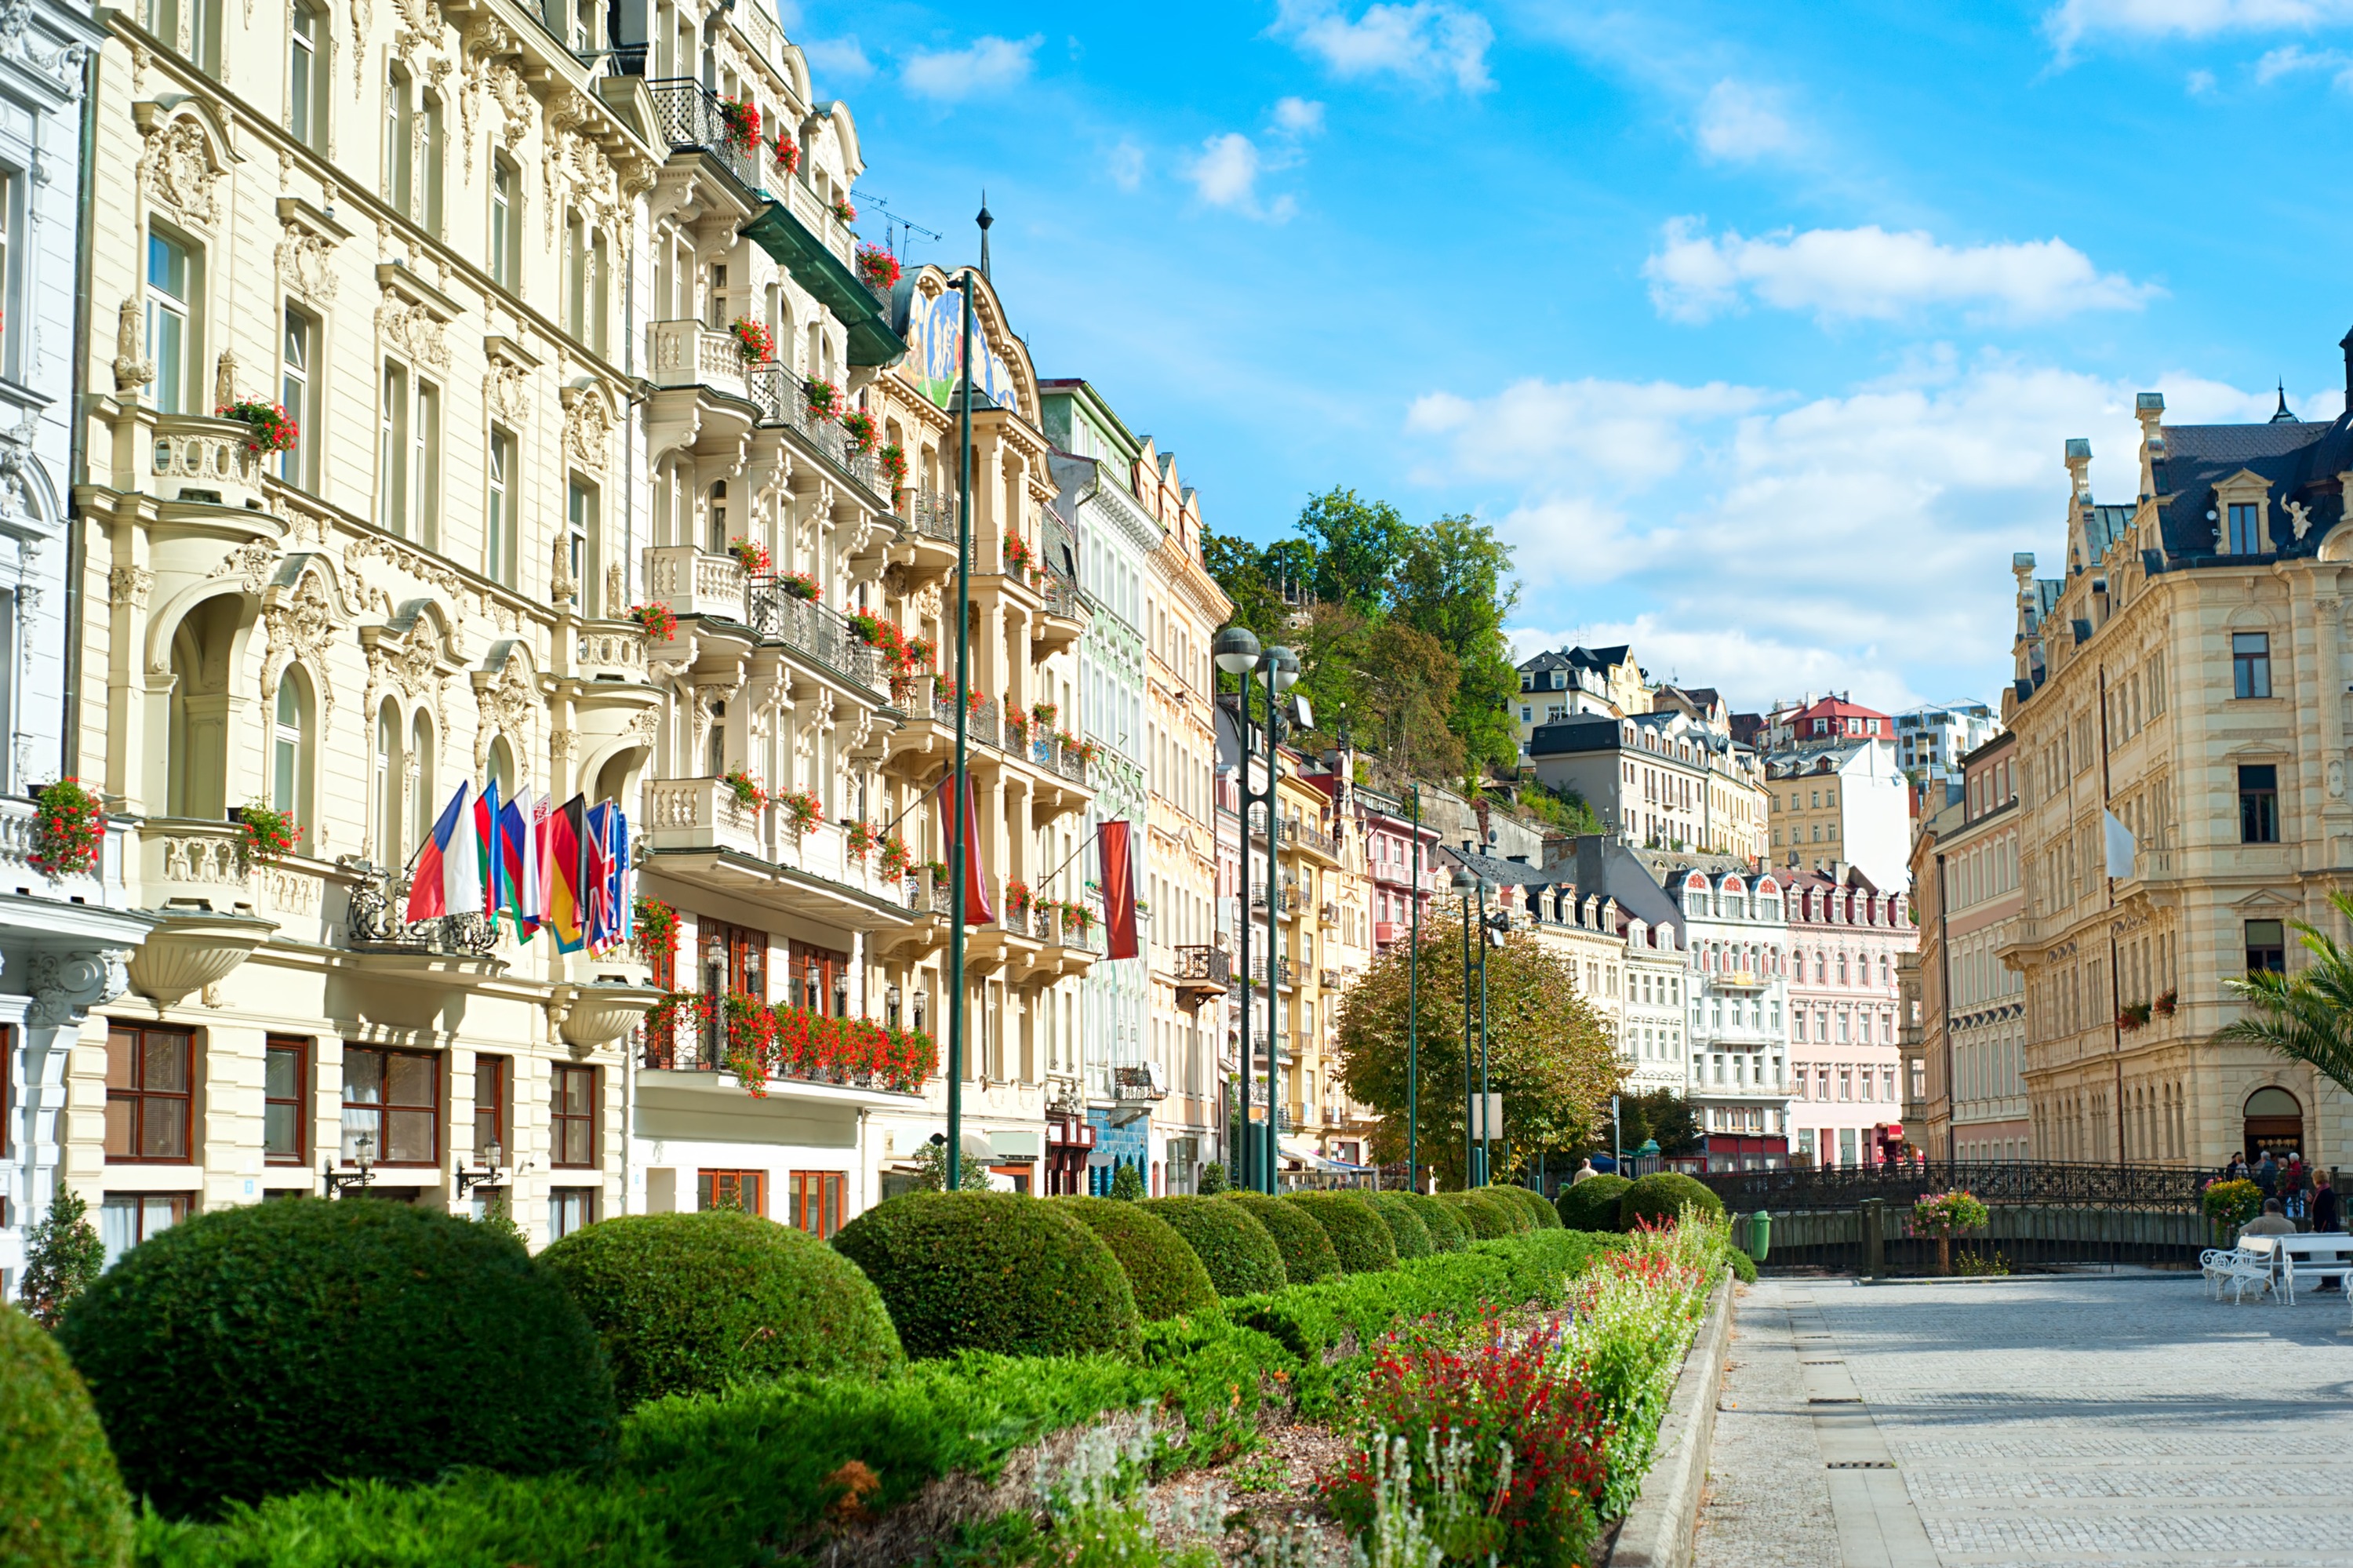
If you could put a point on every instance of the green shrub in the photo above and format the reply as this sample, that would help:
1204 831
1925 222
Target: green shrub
688 1303
1592 1204
1486 1218
1531 1203
1448 1231
63 1257
1358 1237
1163 1272
1127 1183
1744 1267
1307 1251
61 1499
267 1346
1239 1253
991 1270
1408 1233
1659 1197
1212 1180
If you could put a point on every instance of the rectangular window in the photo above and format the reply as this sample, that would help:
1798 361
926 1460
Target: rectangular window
600 264
399 150
492 1075
743 1189
433 161
573 1132
2266 946
294 391
7 251
392 1098
2246 530
391 453
2259 805
126 1219
306 103
425 465
576 279
1846 1083
818 1198
506 228
171 280
580 515
2251 663
499 532
1846 1145
150 1094
570 1209
286 1101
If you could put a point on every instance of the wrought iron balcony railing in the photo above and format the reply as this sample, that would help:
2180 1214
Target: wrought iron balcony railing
820 633
1208 965
687 116
377 922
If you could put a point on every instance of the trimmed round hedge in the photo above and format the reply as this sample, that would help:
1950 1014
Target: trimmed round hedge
1659 1197
1238 1252
61 1499
992 1271
1531 1203
1486 1218
1358 1237
1448 1231
272 1347
1407 1234
1592 1204
1167 1277
688 1303
1307 1253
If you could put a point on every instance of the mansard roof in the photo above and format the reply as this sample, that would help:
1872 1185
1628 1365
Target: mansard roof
2302 460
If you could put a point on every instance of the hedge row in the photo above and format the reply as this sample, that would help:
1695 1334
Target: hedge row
752 1474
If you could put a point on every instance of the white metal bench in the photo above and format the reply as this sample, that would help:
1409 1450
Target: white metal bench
2310 1258
2252 1263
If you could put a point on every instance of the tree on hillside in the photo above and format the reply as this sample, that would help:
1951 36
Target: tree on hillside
1549 1053
1455 586
1358 546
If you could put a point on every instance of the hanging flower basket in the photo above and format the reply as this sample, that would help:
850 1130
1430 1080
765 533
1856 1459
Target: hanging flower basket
798 585
655 621
1018 557
893 458
745 788
802 810
269 835
69 828
896 857
656 931
1044 712
751 555
861 841
739 124
268 427
1016 898
841 209
823 398
939 870
877 268
1017 728
787 153
858 425
920 650
757 344
2165 1004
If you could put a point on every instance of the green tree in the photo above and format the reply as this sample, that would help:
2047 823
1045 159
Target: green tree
1549 1053
932 1168
63 1257
1455 585
1358 544
2306 1016
1127 1182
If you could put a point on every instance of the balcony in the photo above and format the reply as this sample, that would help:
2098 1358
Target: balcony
610 651
688 353
695 582
701 814
815 631
1387 931
687 117
927 536
1062 617
1314 839
1329 914
784 406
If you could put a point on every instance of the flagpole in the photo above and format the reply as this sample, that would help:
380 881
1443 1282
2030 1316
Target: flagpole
957 870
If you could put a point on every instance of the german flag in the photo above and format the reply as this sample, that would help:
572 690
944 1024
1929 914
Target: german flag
567 890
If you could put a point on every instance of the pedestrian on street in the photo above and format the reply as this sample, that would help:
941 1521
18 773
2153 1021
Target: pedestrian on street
2236 1171
1584 1169
2270 1223
2267 1174
2295 1182
2325 1215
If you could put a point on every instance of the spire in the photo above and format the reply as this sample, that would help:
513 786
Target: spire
2281 418
984 220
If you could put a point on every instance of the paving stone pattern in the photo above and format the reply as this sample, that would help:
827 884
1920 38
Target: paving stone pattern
2030 1420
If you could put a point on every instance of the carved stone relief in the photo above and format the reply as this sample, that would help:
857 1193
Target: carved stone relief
587 427
298 623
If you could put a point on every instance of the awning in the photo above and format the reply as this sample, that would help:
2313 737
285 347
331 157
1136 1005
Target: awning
1315 1161
871 342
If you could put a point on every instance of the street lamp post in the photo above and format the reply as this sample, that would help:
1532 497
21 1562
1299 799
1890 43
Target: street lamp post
1281 673
958 872
1486 1101
1413 1016
1464 881
1236 652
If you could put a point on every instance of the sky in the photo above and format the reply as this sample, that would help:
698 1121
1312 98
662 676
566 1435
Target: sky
1756 330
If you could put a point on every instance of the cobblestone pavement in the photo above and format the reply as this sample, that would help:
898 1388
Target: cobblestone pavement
2029 1421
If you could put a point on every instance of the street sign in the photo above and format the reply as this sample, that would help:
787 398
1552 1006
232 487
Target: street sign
1489 1124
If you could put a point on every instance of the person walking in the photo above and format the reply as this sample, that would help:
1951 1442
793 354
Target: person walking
2267 1174
2295 1183
1584 1169
2325 1214
2236 1170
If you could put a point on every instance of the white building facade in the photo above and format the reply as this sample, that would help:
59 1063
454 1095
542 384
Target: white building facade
1736 1015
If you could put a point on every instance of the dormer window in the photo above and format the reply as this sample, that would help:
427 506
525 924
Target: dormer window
2246 530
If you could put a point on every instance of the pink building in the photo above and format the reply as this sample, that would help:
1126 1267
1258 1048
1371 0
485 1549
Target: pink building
1846 937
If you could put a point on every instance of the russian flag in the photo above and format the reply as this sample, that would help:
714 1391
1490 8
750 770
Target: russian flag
447 878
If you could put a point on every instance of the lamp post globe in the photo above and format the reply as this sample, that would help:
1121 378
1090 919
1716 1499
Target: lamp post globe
1236 650
1282 668
1464 881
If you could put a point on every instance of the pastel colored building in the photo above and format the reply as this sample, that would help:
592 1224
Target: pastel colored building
1846 940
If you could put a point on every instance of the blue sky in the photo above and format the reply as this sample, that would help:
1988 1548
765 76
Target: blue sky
1756 329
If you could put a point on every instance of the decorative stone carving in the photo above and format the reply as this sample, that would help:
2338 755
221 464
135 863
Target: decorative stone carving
252 562
506 704
562 744
413 330
587 427
363 24
616 587
66 986
176 168
2301 514
506 392
560 588
298 623
131 370
303 264
127 586
225 378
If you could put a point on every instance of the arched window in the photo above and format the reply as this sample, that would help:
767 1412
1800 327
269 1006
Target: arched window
422 806
196 748
387 780
719 517
501 769
290 752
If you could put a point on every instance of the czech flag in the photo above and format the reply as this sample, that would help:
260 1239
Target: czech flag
448 876
567 905
1117 842
976 911
518 859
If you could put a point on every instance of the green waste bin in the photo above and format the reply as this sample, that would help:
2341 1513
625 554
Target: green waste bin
1760 1235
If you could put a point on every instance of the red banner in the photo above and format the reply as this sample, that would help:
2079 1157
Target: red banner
976 911
1117 842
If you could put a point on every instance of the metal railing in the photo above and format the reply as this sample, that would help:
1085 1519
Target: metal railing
686 115
1061 596
814 630
376 922
1208 966
2038 1181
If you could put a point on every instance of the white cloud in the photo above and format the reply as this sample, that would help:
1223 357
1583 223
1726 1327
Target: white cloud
981 68
2198 84
1871 273
1125 165
2072 21
2294 60
842 59
1299 116
1226 175
1770 542
1738 123
1428 41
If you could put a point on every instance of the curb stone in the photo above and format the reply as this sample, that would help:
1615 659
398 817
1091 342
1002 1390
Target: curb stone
1657 1531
